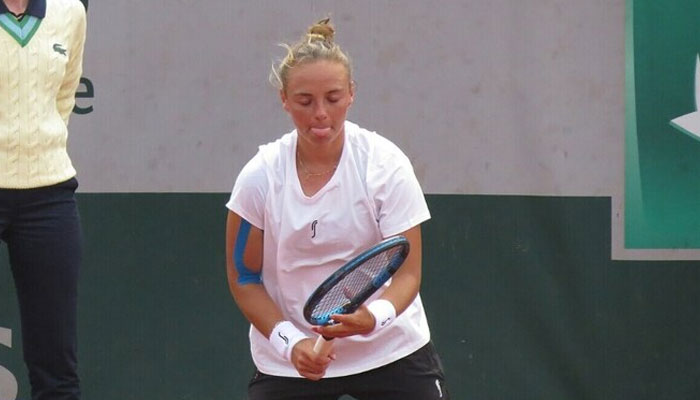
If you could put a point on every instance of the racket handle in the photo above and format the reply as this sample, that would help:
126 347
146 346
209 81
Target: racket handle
323 346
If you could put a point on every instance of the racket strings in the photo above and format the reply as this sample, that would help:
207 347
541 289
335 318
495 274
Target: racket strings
353 285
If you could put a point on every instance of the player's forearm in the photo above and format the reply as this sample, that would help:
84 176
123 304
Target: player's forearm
257 306
406 282
402 291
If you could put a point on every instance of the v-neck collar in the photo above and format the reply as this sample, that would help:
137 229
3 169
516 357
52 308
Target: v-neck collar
23 29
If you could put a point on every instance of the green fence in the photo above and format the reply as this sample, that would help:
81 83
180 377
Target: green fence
523 300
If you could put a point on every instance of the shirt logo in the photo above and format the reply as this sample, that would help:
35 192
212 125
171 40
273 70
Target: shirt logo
58 48
313 228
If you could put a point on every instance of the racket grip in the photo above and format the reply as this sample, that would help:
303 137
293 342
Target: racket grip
323 346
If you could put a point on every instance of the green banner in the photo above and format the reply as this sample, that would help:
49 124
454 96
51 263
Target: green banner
662 164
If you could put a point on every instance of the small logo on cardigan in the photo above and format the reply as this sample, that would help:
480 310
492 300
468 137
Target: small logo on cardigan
313 228
58 48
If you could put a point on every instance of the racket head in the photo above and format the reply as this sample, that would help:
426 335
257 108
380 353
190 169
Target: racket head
347 288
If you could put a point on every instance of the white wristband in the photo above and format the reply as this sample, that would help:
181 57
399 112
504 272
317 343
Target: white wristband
384 313
283 338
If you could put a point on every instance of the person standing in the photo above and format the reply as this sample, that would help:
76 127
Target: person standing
302 207
41 54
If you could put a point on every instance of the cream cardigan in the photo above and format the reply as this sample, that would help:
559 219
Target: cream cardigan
37 94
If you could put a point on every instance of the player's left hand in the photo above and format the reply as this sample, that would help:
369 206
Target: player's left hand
361 322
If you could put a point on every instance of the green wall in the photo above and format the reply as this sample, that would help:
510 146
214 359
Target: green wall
523 300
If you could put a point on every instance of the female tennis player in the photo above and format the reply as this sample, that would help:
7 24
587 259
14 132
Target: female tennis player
302 207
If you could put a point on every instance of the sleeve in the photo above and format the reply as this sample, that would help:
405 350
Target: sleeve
65 100
398 198
250 191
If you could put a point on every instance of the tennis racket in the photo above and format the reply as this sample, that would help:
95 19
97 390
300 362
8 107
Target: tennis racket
347 288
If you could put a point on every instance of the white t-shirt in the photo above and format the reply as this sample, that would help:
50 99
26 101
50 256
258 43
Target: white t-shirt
373 194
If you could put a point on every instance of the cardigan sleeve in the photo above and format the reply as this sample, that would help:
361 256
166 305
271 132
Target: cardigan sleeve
65 100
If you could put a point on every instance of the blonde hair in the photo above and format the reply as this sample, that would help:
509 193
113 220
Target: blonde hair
316 44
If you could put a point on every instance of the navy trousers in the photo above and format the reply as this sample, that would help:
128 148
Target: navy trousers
41 228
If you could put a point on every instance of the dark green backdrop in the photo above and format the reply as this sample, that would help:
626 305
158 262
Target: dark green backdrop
523 300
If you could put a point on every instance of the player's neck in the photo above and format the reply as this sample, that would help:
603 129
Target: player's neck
317 161
17 7
320 156
315 171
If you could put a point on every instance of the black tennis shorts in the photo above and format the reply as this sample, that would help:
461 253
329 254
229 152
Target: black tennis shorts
418 376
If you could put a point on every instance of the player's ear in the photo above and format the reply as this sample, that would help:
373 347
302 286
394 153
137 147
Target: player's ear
352 92
285 101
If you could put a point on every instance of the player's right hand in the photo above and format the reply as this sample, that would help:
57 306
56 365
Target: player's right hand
308 363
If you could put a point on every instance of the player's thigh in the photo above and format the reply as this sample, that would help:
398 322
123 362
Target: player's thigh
417 376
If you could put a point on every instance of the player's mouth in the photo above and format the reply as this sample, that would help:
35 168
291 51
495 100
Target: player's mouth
321 131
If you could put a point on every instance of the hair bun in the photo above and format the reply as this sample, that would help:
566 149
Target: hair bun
324 29
316 44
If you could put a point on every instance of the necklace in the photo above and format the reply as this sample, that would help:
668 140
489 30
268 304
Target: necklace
309 174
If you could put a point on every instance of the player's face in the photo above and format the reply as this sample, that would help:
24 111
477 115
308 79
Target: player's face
317 97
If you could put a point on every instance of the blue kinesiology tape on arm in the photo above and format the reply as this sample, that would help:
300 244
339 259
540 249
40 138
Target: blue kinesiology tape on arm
245 275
